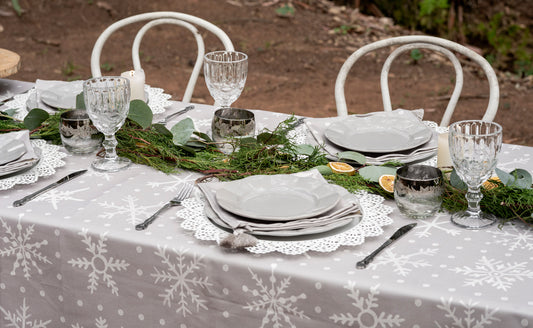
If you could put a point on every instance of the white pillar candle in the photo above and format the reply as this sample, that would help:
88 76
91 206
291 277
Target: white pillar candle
136 83
443 152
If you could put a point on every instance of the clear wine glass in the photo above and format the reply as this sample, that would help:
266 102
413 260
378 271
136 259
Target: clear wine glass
225 75
474 147
107 102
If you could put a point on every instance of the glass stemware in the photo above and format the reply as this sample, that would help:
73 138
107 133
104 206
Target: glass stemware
474 147
107 102
225 75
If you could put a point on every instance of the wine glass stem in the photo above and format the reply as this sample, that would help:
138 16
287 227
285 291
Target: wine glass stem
473 197
110 145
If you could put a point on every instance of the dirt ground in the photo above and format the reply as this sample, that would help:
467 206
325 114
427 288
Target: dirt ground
293 62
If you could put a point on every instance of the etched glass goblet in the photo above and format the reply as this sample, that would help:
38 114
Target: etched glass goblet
474 147
107 102
225 75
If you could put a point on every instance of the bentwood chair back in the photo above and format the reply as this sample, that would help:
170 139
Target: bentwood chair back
158 18
415 42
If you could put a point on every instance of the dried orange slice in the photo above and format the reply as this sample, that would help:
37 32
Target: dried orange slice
341 168
386 181
491 185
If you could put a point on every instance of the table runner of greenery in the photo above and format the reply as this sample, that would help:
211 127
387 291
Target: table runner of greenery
270 152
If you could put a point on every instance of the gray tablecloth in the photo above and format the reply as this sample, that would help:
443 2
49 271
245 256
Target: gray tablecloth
72 258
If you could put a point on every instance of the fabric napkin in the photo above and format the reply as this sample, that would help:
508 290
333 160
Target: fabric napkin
28 159
63 92
243 227
318 126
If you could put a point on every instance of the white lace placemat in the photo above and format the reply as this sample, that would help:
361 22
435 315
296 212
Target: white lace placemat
51 158
375 216
158 101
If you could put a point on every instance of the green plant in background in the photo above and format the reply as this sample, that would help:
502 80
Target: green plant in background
416 55
68 71
287 10
510 44
433 15
16 7
343 29
107 67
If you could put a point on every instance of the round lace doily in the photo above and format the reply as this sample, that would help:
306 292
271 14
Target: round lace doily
51 158
157 101
375 216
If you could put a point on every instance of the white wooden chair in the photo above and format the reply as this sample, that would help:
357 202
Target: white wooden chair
428 42
158 18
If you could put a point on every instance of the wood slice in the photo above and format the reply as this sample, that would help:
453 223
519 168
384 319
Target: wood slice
9 62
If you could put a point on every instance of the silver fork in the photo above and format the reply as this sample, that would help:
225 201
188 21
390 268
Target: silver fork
184 192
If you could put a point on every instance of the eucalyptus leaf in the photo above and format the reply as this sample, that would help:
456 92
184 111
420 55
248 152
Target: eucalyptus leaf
324 169
80 101
140 113
182 131
195 144
35 117
10 111
203 136
304 149
352 156
506 178
162 129
522 180
372 172
456 181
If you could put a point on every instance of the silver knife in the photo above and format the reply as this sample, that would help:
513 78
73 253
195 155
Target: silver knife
178 113
59 182
400 232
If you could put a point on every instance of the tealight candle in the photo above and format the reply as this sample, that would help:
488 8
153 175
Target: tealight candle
136 83
443 152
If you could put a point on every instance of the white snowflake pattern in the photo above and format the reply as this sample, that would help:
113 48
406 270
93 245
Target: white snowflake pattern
174 182
495 273
98 265
55 196
279 308
182 279
469 320
27 252
514 236
21 317
425 226
99 323
134 213
403 263
366 316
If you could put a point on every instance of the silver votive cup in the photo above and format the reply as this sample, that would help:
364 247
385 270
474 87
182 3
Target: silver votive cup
231 123
418 190
78 134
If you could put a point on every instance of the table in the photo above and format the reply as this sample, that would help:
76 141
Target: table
72 258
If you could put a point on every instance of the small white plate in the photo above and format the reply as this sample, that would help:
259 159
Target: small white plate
378 134
277 197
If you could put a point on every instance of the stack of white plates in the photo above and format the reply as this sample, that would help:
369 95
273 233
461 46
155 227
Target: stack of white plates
381 136
16 153
279 205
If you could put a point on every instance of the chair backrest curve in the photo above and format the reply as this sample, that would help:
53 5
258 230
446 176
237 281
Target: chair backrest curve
494 96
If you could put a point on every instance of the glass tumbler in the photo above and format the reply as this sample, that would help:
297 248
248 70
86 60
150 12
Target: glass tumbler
418 190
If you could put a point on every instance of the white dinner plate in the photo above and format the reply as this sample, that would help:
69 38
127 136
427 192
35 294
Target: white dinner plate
277 197
378 134
351 220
